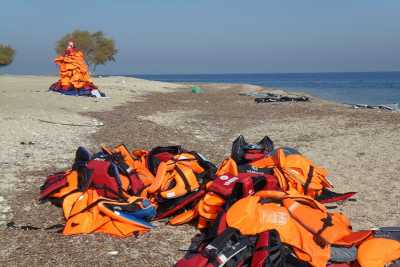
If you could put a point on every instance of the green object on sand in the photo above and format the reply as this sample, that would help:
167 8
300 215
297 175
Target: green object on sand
197 90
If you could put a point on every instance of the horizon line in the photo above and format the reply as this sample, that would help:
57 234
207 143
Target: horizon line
246 73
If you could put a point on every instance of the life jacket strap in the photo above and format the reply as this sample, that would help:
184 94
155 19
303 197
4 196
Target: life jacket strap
309 178
327 222
184 179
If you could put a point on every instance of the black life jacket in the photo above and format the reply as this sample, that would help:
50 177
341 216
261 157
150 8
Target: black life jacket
243 152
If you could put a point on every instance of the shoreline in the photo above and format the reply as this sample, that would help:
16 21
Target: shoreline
358 147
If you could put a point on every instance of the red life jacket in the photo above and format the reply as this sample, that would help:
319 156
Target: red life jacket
105 178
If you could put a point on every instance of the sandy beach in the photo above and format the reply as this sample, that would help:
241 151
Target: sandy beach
41 131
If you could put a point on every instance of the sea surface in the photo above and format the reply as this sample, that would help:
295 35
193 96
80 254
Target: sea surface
372 88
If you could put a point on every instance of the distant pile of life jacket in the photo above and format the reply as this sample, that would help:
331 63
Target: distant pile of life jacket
263 206
74 74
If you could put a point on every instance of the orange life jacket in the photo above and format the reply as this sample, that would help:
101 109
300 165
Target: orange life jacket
293 171
87 212
222 192
302 223
378 252
73 70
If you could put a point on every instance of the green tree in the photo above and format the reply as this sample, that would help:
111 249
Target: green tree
7 54
98 49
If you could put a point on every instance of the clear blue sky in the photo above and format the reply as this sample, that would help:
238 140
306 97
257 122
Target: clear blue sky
211 36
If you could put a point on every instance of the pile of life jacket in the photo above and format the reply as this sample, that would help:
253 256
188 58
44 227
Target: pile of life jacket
74 75
119 192
263 206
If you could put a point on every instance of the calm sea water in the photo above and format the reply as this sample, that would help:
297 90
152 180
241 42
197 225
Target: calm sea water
371 88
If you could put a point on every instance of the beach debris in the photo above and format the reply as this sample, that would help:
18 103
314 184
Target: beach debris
96 124
387 107
113 253
281 98
74 74
197 90
26 143
276 97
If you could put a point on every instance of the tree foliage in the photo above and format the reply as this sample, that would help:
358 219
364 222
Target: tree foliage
7 54
98 49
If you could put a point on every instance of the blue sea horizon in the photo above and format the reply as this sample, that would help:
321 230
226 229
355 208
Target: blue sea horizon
372 88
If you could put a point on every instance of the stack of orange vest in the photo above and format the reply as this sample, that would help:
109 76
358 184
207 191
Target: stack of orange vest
73 71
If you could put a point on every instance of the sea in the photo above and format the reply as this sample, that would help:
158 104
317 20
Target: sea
370 88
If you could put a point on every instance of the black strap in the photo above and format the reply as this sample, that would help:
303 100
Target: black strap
84 177
185 181
309 178
327 223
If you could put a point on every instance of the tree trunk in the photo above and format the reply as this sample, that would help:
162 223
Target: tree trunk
94 69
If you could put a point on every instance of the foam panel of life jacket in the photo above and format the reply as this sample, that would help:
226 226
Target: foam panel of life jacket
354 238
72 185
189 161
184 217
228 166
181 179
251 218
208 212
212 199
53 184
85 223
377 252
79 201
69 204
160 178
313 220
126 156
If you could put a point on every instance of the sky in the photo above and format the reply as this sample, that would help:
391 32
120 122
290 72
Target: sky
211 36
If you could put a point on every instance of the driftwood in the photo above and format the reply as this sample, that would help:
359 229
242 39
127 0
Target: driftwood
383 107
70 124
281 98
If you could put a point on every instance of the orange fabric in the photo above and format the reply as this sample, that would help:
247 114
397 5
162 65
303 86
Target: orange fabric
168 181
291 171
295 168
72 179
228 166
377 252
73 70
85 213
312 220
184 217
251 217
